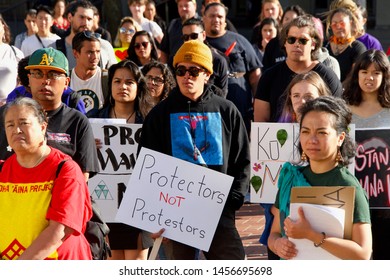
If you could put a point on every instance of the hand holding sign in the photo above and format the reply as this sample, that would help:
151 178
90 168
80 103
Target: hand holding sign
165 192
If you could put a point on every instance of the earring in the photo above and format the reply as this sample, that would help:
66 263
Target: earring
303 156
339 156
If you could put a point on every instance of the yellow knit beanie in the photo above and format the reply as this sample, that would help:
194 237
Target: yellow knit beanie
196 52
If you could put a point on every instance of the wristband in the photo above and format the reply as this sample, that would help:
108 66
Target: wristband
322 241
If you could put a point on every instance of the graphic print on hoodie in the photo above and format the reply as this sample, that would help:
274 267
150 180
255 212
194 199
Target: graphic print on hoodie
197 137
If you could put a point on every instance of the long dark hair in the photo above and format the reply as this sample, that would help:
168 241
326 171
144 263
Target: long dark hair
269 21
353 93
7 31
131 55
342 116
169 79
141 84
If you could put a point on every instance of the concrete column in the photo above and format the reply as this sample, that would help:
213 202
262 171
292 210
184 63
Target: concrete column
382 14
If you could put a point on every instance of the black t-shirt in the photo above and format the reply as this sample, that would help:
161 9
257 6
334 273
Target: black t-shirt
275 80
220 68
70 132
348 57
242 59
273 54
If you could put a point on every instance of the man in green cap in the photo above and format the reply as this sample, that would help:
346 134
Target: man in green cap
68 130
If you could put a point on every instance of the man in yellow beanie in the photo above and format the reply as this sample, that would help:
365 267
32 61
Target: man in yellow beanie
195 124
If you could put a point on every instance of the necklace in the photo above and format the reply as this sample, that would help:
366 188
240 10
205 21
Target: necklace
38 161
127 120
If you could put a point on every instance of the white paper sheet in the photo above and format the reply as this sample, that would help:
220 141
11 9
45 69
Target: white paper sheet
323 219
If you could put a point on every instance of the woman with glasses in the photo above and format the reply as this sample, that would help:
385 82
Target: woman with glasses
126 88
342 43
160 81
142 48
126 30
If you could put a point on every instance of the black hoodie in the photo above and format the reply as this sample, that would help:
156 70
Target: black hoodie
208 132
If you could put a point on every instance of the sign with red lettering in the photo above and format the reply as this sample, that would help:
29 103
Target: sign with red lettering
183 198
372 165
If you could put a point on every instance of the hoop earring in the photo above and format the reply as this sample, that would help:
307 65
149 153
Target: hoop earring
339 156
304 157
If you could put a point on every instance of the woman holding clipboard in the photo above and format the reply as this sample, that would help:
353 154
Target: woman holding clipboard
326 146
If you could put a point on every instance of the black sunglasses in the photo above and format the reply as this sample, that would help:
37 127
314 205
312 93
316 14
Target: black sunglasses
291 40
192 36
193 71
138 45
90 34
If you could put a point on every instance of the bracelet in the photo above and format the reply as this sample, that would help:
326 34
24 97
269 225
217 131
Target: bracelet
322 241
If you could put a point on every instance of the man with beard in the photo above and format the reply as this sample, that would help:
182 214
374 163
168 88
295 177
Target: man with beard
172 39
244 65
87 77
80 15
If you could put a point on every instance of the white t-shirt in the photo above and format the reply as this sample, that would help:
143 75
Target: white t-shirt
152 27
91 90
31 43
8 69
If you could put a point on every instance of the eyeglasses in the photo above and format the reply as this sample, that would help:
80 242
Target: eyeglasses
154 80
337 24
192 36
193 71
302 41
53 76
90 34
143 44
123 30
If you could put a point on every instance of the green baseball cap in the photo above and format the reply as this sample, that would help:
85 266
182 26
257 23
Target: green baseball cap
50 59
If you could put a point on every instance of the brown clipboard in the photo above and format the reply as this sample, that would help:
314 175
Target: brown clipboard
340 197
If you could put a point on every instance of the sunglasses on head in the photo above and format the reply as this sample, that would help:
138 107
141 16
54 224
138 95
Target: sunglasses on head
302 41
143 44
90 34
193 71
192 36
123 30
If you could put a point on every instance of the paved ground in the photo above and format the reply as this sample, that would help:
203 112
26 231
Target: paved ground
250 224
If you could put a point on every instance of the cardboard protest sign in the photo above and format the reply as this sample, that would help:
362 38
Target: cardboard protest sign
339 197
117 159
272 144
372 165
185 199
